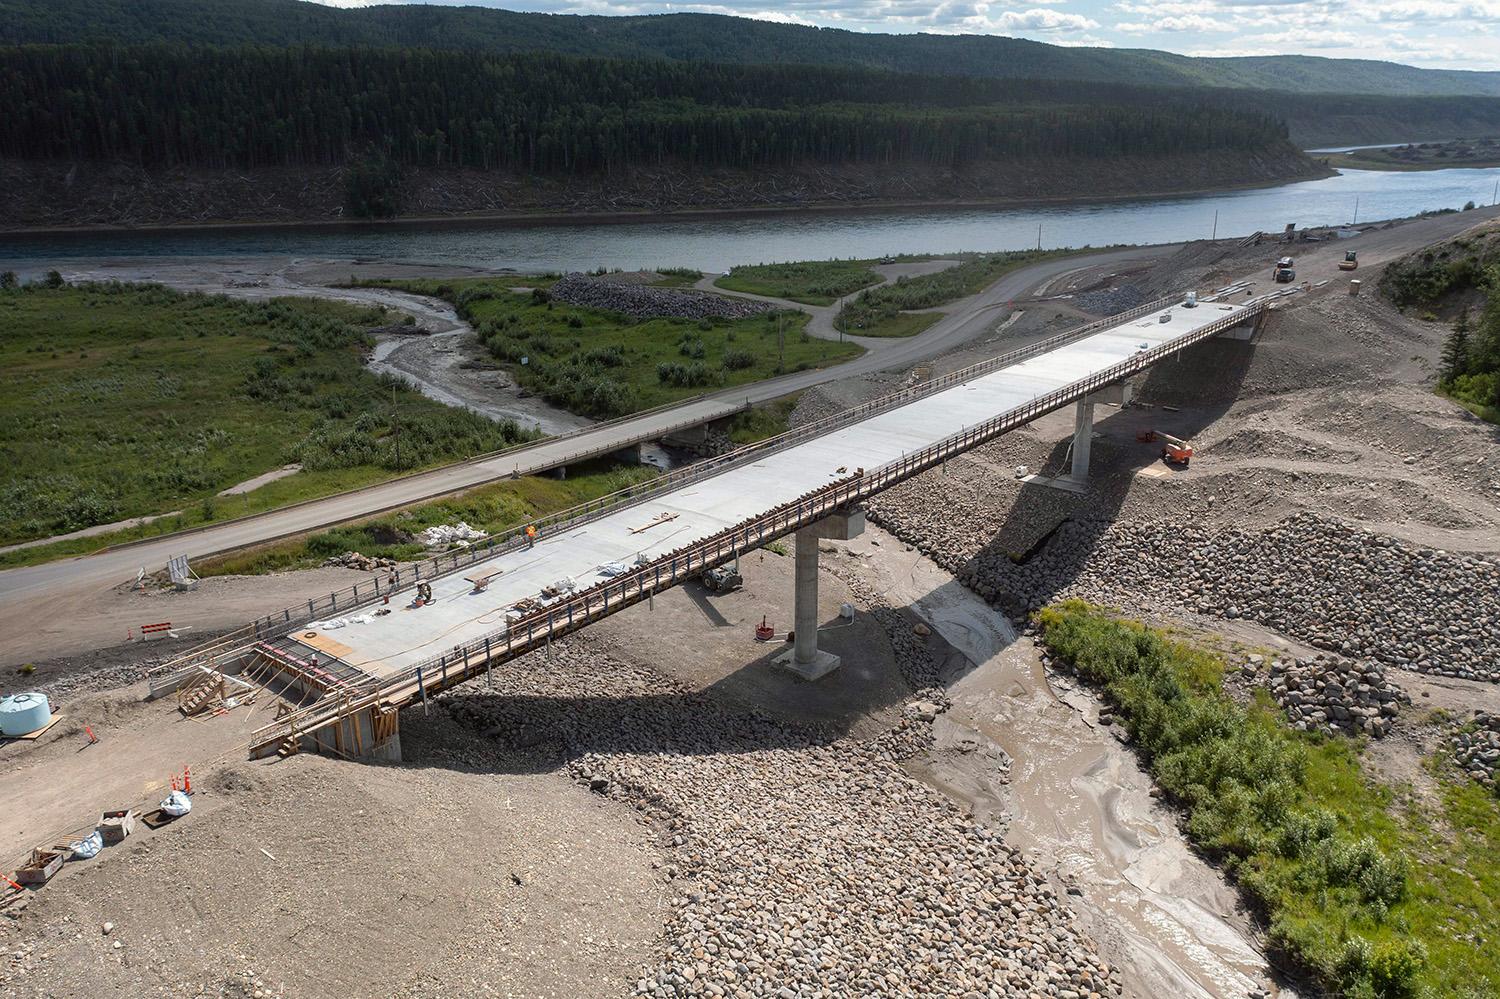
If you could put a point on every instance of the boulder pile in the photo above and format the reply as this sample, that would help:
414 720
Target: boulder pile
1476 748
1334 694
802 863
354 560
1331 585
646 302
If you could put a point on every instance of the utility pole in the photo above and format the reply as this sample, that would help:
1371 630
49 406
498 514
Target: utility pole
781 341
1038 235
1356 211
396 425
1495 198
1216 226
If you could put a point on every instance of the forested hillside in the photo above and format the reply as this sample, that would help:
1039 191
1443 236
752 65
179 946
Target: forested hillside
158 133
545 114
698 37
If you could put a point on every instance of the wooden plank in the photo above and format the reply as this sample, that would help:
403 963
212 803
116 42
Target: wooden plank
29 736
321 642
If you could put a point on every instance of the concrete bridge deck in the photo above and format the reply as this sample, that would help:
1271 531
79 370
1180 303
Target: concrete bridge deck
617 556
387 644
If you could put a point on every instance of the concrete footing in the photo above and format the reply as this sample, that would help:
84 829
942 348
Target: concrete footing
804 658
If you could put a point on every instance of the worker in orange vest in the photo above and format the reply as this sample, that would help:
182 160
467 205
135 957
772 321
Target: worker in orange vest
530 535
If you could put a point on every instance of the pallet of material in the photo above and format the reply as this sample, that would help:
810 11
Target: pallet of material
115 826
44 863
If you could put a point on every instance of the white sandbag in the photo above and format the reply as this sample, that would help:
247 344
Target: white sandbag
176 804
450 534
87 847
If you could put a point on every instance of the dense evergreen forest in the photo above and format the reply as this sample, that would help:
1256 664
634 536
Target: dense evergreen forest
160 105
697 37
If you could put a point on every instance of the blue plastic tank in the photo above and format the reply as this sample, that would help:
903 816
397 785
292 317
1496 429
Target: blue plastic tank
22 714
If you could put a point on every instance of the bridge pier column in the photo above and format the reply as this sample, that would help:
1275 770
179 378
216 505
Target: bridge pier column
804 658
1077 479
1083 438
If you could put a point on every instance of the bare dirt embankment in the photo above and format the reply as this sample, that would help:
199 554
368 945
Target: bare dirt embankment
40 195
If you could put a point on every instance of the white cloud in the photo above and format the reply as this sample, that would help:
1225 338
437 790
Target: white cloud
1184 22
1040 19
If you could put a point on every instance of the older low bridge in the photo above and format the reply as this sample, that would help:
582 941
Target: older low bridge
346 664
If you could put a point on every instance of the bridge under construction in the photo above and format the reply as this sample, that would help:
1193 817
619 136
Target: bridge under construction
345 665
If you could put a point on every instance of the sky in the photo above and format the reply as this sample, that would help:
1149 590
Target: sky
1440 34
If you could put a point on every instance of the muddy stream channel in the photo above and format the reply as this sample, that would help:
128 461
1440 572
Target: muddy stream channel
1028 755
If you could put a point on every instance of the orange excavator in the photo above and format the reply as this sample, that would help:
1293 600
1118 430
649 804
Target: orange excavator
1175 450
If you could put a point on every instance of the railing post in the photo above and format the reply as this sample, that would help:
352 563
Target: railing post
422 690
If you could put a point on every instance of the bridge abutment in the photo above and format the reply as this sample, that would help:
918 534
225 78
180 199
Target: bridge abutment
804 658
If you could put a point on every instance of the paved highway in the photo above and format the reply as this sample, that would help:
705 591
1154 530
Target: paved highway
966 320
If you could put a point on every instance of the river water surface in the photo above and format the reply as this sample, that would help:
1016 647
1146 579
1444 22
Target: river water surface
717 243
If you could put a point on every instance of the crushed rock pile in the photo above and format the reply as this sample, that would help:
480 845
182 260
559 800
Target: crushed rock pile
645 302
354 560
804 864
1331 585
1334 694
1112 301
1476 748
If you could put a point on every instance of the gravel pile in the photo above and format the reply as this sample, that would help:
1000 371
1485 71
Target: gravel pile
1476 748
802 865
99 678
1112 301
354 560
644 302
1333 586
1334 694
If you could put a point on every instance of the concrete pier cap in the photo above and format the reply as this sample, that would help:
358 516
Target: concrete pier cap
804 658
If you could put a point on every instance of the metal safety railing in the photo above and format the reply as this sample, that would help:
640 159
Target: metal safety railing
466 660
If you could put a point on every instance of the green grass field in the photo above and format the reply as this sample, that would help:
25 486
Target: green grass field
602 364
1364 885
811 282
885 311
126 400
490 508
899 324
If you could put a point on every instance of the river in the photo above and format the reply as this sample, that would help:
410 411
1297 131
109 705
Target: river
716 243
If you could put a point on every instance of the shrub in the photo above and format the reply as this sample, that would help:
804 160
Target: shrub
681 375
1242 778
738 360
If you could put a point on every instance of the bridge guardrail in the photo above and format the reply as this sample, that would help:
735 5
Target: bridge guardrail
464 660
